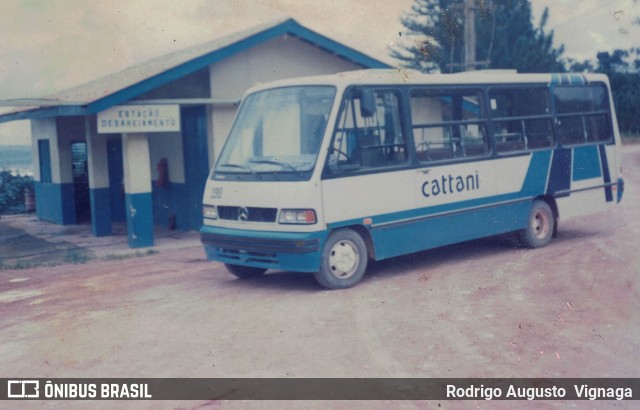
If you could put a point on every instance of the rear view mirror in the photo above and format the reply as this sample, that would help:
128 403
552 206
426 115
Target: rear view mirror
367 103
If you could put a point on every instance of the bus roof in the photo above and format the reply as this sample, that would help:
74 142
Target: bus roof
402 76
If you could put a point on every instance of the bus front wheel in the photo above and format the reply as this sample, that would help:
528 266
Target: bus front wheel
244 272
344 260
540 225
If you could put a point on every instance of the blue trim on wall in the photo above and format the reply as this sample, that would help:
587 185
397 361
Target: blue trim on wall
174 204
139 219
68 199
100 212
294 28
116 180
195 153
48 112
44 160
163 208
55 203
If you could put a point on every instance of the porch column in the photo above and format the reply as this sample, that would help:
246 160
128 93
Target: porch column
98 180
137 186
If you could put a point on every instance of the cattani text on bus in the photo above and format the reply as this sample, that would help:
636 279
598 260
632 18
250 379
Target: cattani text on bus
454 184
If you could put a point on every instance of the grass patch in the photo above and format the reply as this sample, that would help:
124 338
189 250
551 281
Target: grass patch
116 257
76 257
22 264
122 256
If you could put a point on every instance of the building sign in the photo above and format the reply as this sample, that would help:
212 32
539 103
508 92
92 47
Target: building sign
139 118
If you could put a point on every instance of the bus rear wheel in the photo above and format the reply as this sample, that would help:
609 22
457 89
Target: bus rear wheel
344 260
244 272
540 225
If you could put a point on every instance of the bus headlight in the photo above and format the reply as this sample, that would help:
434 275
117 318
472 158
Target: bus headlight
297 216
209 212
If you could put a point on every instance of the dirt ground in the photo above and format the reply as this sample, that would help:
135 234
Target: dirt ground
478 309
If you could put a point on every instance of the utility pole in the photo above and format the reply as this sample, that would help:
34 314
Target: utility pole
469 36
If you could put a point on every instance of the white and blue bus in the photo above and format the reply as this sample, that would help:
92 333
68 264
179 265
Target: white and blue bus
323 174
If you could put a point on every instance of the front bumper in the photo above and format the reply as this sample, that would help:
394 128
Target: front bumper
291 251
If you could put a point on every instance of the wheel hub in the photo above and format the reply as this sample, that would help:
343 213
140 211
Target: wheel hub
540 224
343 259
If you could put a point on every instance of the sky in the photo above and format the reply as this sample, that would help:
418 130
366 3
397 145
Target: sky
50 45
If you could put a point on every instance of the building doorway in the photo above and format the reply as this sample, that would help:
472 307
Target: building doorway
80 172
196 158
116 179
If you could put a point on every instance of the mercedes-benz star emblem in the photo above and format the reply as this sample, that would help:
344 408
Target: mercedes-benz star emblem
243 214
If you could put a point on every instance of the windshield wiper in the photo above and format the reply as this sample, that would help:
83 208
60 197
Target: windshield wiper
239 166
273 162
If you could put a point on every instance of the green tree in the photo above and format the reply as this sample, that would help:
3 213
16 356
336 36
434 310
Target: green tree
623 69
505 37
12 191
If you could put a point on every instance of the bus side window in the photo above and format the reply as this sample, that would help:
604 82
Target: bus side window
521 118
583 114
368 133
448 125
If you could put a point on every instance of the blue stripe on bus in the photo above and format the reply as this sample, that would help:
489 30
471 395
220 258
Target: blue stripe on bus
586 163
533 185
430 233
414 230
537 175
605 172
560 174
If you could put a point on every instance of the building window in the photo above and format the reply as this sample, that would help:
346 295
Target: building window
44 156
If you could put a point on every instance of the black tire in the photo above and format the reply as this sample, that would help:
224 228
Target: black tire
244 272
344 260
540 226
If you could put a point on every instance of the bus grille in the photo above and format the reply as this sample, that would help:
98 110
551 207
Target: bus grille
260 245
242 256
230 213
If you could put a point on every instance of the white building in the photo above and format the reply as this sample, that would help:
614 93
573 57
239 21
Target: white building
101 154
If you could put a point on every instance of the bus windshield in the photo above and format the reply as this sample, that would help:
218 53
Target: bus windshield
278 130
